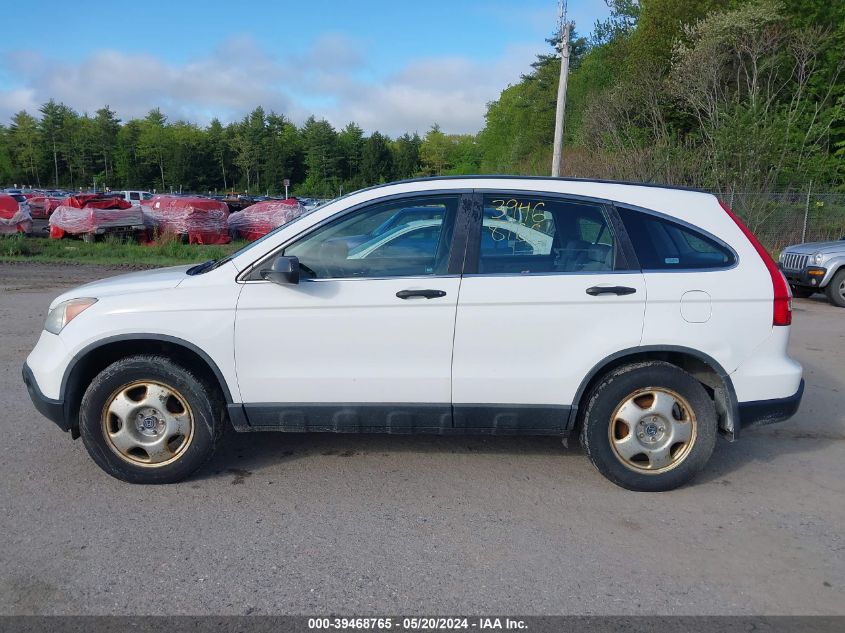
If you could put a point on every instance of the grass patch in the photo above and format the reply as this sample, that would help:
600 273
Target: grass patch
165 251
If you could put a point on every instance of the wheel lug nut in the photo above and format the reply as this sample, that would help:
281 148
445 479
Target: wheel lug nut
640 434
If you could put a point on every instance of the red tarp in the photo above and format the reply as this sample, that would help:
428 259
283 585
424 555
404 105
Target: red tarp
42 206
96 201
201 219
12 218
87 213
262 217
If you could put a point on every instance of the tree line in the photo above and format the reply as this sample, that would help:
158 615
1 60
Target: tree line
745 95
61 148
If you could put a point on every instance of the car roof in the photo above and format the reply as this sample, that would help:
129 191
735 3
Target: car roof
483 177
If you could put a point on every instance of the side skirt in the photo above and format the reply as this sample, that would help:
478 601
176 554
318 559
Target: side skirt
401 418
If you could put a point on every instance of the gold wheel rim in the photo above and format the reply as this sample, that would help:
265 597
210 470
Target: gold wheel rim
653 430
147 423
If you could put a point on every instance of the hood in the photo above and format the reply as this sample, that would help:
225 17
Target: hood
142 281
811 248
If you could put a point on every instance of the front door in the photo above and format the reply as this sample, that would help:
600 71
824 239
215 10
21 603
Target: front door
364 341
546 295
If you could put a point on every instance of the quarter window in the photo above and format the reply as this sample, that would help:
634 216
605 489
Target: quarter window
661 244
542 235
399 238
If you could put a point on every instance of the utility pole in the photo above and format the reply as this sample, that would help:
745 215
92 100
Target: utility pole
806 213
560 111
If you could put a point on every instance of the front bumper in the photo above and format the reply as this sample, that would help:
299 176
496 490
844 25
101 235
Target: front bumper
759 412
53 410
807 277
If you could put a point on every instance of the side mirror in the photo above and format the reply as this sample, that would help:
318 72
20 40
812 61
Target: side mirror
284 270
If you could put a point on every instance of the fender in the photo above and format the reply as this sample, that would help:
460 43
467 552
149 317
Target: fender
731 423
144 337
833 266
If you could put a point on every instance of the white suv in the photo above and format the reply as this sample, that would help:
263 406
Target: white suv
644 319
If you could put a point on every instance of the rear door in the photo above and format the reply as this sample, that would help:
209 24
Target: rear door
547 293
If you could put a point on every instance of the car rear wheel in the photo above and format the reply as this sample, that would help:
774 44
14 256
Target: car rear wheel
145 419
835 290
649 426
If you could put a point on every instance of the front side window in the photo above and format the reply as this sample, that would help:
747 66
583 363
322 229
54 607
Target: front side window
526 234
661 244
398 238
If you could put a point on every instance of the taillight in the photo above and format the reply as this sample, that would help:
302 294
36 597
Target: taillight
782 308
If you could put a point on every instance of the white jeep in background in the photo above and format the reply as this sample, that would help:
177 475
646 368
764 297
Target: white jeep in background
816 267
642 319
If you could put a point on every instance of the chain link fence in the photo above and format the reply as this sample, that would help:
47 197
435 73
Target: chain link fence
782 219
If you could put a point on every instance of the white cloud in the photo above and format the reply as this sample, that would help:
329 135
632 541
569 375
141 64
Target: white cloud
331 79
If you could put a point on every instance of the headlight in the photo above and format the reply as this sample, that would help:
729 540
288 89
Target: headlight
781 256
66 312
817 258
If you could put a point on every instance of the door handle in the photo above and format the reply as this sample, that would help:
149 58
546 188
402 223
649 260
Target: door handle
610 290
428 294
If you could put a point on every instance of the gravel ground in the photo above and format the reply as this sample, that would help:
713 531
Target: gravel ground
317 524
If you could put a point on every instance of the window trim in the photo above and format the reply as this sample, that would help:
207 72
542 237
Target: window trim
684 224
624 264
251 273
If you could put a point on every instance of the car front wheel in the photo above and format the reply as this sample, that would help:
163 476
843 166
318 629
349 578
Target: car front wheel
835 290
649 426
147 420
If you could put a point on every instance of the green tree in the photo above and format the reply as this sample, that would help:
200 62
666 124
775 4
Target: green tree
406 155
107 127
154 142
24 141
350 143
434 152
376 160
321 157
52 126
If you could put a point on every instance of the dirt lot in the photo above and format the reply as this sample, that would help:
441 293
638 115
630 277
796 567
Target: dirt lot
372 525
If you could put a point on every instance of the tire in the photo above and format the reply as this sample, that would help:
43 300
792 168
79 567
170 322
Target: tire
653 458
835 289
147 420
802 293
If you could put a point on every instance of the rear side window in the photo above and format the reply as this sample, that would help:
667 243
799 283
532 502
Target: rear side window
661 244
527 234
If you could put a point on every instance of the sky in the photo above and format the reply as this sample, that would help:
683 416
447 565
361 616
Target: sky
388 65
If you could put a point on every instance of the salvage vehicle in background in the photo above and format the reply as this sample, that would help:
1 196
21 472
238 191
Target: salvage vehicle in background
193 219
93 216
42 206
257 220
816 267
642 319
14 215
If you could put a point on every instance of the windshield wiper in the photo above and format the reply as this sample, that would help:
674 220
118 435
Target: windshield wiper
201 268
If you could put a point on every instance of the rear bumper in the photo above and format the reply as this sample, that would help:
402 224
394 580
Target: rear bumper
758 412
53 410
